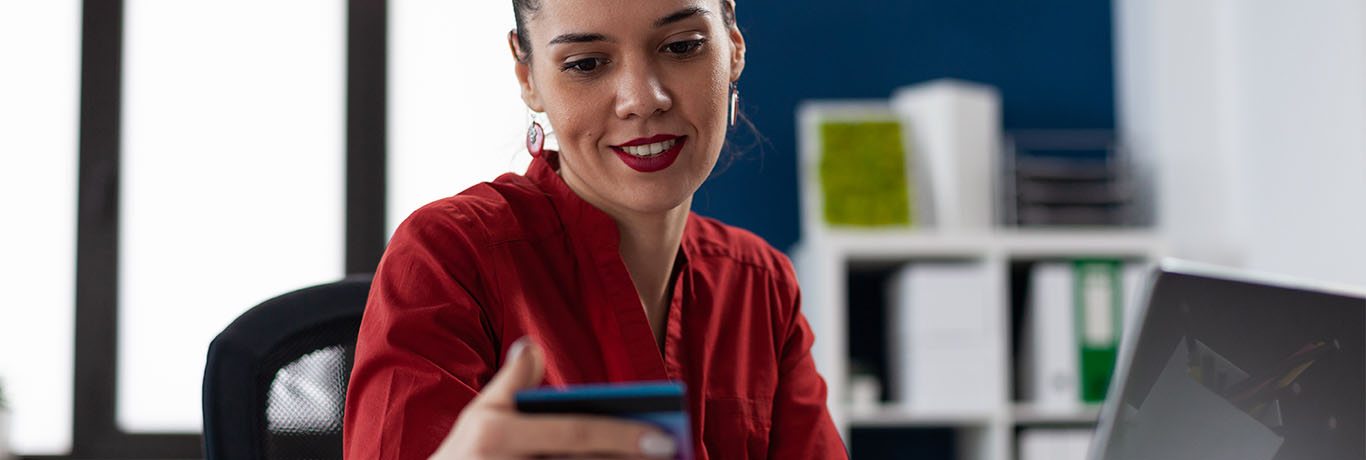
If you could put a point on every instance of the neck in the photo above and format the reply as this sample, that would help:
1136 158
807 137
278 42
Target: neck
649 248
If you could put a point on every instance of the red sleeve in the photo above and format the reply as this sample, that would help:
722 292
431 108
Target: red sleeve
426 343
801 425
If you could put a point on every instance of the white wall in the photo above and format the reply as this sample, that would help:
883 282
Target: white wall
1252 114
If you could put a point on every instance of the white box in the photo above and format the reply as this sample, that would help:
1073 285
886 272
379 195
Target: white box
953 128
946 343
1054 444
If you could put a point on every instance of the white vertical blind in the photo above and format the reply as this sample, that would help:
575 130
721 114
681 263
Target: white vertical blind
233 181
456 117
39 107
1250 115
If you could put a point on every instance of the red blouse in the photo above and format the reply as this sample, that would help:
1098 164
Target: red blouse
465 276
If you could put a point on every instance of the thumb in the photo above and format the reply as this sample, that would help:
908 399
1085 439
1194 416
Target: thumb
523 369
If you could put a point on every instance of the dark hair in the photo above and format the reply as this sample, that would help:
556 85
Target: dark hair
522 9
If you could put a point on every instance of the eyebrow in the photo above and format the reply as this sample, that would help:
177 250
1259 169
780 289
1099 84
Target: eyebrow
681 15
661 22
578 38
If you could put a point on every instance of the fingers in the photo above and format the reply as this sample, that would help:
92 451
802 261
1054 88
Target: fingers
523 369
583 434
493 426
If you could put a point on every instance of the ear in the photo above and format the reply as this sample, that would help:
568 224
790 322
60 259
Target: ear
523 70
737 56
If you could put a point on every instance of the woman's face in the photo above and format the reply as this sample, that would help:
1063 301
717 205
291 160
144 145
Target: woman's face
637 91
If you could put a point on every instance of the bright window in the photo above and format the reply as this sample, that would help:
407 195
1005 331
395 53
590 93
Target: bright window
40 48
233 182
456 117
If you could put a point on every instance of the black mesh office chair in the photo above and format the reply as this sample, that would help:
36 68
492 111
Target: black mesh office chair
275 381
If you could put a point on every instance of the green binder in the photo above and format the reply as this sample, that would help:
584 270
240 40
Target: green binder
1099 306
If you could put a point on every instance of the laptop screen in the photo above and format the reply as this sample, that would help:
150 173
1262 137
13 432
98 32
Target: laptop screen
1235 370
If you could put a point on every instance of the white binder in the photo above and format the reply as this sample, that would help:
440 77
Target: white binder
1049 364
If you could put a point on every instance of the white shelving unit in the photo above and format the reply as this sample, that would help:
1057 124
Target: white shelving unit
825 257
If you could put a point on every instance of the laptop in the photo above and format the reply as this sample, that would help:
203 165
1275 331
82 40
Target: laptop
1220 364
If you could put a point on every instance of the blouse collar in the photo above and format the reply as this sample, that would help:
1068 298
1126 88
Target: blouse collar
583 221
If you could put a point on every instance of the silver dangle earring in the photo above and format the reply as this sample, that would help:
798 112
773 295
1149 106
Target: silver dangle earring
734 102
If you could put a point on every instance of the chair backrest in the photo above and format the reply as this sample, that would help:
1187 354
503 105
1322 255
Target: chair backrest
275 380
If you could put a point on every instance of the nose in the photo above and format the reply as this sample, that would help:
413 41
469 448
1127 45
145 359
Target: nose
641 93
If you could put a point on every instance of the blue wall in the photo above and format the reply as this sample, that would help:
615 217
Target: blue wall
1051 60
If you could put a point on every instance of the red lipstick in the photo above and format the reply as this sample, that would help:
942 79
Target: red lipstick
655 162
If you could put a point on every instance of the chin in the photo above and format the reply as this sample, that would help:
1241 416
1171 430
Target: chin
655 198
664 190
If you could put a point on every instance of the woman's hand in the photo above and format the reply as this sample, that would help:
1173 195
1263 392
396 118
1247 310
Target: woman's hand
491 428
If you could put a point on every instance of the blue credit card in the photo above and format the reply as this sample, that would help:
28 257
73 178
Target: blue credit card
658 403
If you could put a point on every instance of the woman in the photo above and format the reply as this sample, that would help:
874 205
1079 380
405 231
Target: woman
591 268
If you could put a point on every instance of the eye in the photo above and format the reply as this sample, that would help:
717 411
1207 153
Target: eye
587 65
685 47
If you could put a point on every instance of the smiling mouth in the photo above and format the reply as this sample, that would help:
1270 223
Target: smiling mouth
648 150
